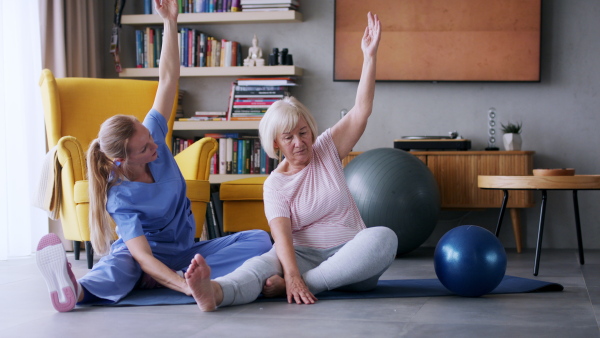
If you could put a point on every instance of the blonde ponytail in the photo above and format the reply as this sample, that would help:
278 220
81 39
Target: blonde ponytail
99 168
111 143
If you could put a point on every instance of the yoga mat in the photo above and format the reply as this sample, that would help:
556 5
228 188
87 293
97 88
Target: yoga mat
396 288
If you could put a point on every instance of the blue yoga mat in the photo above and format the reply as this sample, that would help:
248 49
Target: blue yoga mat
396 288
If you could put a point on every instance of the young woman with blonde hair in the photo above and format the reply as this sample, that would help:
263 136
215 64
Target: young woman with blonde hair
135 180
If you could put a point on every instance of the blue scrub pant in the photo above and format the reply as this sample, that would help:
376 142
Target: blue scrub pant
116 274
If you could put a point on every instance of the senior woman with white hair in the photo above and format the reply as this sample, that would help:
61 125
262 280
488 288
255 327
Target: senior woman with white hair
321 242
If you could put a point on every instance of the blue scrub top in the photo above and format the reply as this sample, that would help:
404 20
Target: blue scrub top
160 210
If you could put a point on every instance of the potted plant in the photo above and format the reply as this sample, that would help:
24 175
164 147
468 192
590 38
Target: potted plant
512 136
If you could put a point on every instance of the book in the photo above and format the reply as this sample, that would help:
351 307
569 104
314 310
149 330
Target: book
250 104
235 114
222 155
139 47
253 100
202 118
240 57
246 88
256 151
239 114
222 135
229 156
241 162
202 50
278 6
245 118
249 2
231 98
210 220
263 161
210 113
147 6
260 95
247 156
234 157
158 36
218 209
268 9
223 51
234 54
215 163
236 6
278 81
249 112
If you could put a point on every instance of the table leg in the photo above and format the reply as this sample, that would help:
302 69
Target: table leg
502 209
538 248
578 227
515 216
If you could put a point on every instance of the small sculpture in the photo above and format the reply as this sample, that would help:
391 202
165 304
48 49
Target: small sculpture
254 55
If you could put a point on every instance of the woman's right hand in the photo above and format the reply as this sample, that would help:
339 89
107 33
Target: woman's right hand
297 291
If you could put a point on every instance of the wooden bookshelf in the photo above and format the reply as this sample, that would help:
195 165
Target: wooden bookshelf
218 71
217 18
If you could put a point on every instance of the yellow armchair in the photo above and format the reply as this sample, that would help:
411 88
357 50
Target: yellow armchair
74 108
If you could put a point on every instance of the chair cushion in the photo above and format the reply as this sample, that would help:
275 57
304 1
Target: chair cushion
245 189
243 207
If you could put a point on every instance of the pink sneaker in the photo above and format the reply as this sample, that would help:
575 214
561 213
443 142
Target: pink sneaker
52 262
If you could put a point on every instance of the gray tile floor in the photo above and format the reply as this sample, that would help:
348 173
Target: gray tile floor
26 310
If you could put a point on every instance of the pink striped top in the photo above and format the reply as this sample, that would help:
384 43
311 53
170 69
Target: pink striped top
316 199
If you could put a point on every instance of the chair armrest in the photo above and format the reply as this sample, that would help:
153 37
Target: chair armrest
198 190
81 192
71 158
194 161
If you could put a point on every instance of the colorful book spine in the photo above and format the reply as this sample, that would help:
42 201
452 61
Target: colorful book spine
222 155
241 162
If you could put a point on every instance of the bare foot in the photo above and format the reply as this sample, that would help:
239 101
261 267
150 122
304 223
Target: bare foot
274 287
198 279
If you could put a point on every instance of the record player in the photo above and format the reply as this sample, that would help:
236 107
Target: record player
432 143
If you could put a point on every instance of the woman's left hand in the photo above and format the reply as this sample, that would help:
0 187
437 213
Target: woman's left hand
167 9
370 40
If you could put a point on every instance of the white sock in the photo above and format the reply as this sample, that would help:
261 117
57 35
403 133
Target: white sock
79 290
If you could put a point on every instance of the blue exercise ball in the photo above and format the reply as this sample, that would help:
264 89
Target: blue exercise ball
395 189
470 261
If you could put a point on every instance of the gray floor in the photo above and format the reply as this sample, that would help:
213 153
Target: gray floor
26 310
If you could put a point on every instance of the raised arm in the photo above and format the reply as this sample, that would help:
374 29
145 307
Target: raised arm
168 68
350 128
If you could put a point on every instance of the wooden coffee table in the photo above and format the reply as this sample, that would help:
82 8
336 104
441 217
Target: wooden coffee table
543 184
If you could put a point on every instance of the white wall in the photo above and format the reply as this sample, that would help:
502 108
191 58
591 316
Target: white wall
559 114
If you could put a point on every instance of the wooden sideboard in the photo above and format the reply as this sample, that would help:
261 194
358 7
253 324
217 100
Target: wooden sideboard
456 174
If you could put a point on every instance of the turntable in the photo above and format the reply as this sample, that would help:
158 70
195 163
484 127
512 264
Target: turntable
432 143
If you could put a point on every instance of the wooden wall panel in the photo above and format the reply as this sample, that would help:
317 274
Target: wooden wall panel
442 40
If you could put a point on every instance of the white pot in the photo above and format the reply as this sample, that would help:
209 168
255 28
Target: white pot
512 141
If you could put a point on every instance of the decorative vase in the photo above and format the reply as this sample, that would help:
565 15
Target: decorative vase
512 141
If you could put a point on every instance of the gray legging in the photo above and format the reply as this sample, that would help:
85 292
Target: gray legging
355 265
